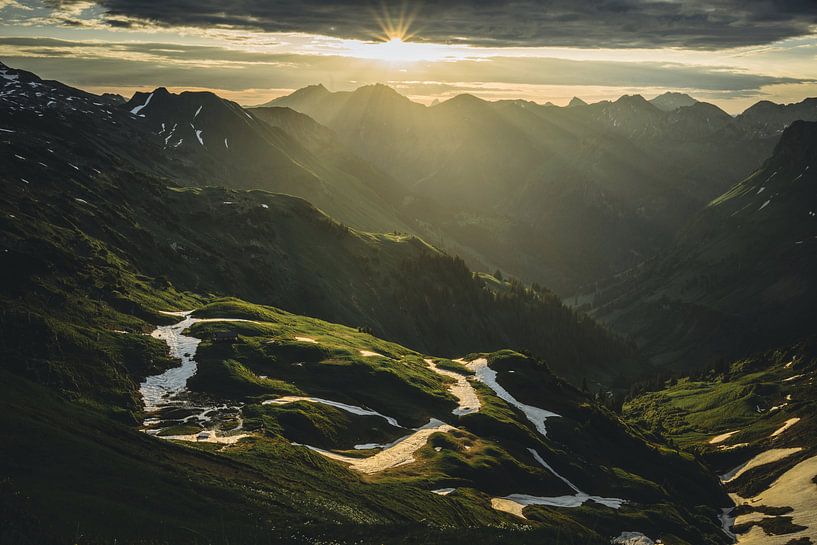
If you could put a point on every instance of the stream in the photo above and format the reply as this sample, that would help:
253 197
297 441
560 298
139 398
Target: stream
169 403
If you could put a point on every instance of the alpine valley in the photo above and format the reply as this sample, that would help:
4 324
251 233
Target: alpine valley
279 324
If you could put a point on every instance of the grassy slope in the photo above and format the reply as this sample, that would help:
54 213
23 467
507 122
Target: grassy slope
691 411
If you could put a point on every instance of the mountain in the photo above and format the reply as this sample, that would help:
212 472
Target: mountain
193 363
767 118
576 101
670 101
738 278
269 248
752 421
564 197
225 145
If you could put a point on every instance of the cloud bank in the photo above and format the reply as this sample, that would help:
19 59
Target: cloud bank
692 24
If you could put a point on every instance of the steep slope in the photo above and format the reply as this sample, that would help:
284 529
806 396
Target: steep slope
561 196
739 277
68 173
751 420
768 118
215 142
139 405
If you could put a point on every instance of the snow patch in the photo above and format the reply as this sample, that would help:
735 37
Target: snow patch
461 389
443 491
338 405
766 457
487 376
722 437
399 453
786 425
516 503
138 109
632 538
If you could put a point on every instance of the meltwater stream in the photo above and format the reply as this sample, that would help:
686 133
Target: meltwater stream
169 403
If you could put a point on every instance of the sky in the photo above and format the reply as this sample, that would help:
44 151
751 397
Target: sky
732 53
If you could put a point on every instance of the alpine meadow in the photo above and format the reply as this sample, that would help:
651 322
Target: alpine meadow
375 272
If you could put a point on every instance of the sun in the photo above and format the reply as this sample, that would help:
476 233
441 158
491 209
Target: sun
397 50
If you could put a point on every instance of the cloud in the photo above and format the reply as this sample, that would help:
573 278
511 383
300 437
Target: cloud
694 24
153 64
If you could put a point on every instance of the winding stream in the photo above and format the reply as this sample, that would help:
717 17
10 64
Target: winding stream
168 402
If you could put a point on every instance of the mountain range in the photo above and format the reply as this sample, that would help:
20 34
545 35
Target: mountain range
564 197
738 277
253 325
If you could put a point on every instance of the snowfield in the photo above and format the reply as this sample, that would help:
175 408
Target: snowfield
461 389
516 503
399 453
343 406
487 376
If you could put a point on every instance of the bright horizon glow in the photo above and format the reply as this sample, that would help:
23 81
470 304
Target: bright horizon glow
252 66
397 51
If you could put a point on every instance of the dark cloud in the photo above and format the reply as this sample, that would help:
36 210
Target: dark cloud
184 65
699 24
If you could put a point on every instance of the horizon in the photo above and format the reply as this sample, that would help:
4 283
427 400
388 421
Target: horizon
425 101
728 55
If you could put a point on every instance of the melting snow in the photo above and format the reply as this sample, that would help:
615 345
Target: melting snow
7 130
722 437
198 136
138 109
793 489
764 205
461 389
370 354
306 340
516 503
632 538
338 405
487 376
766 457
786 425
226 144
443 491
399 453
195 115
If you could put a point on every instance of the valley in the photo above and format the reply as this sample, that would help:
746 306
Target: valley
278 324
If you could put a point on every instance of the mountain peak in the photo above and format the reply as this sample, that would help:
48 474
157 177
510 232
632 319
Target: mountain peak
631 99
798 143
576 101
672 100
379 89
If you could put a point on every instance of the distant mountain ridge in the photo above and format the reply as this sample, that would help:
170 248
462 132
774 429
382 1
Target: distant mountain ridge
562 196
111 176
670 101
226 145
739 278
